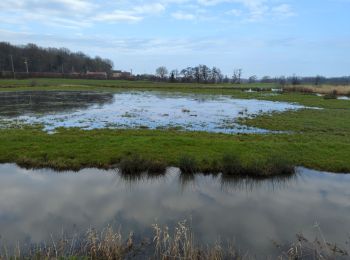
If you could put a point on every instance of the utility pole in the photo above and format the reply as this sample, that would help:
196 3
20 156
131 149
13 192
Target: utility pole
26 63
13 67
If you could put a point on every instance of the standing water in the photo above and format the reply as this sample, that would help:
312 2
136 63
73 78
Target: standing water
136 109
252 214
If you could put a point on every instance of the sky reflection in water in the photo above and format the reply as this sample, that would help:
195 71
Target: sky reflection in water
137 109
35 204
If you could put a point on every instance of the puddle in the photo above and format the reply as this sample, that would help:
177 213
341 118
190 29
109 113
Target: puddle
135 109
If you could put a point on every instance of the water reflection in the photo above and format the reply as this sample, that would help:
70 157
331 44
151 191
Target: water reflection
136 109
35 204
14 104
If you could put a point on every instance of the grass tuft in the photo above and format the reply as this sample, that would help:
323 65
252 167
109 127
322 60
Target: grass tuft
331 95
136 164
188 164
231 164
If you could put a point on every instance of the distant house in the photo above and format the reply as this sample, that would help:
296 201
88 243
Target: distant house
118 74
97 75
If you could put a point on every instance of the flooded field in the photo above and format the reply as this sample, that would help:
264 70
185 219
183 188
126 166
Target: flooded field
252 214
136 109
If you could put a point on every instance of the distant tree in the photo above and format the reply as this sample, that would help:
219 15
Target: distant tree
172 77
319 80
282 81
237 74
295 80
187 74
162 72
205 73
252 79
49 59
216 75
226 79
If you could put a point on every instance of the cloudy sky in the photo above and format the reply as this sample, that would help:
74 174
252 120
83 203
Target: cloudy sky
263 37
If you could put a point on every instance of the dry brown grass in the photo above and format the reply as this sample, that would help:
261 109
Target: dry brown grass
322 89
318 249
166 245
181 245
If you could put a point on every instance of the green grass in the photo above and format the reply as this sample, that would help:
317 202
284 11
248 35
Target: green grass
40 82
74 148
315 138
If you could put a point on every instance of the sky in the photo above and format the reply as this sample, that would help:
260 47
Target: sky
262 37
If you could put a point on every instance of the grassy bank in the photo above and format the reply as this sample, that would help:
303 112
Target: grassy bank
316 138
75 149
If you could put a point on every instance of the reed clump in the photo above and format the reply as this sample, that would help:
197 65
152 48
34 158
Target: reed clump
180 244
331 95
188 164
136 164
232 165
323 89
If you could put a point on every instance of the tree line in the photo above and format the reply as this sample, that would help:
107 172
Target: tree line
205 74
32 58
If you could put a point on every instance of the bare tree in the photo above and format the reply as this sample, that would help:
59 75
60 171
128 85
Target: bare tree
216 75
295 80
204 72
237 74
318 80
162 72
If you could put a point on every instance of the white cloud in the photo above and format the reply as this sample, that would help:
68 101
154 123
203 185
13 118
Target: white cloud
283 10
183 16
134 14
234 12
154 8
75 13
117 16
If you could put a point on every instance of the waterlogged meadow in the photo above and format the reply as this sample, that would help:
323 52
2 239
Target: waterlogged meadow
188 174
135 109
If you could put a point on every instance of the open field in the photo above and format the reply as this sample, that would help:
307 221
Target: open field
122 84
318 139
